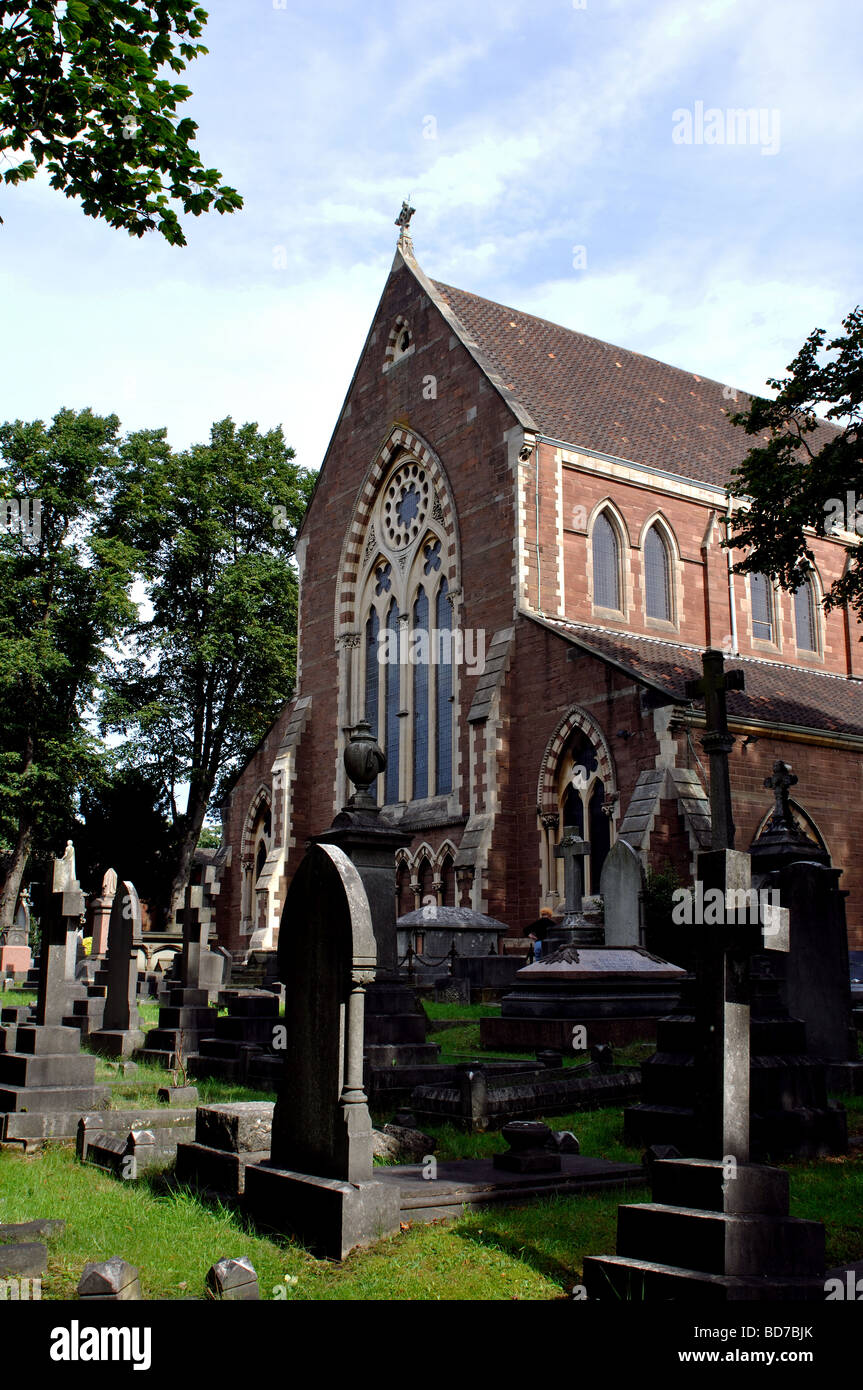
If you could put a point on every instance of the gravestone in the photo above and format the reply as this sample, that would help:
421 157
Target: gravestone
59 949
574 926
621 885
718 1225
816 976
120 1034
318 1182
45 1080
185 1015
100 914
15 955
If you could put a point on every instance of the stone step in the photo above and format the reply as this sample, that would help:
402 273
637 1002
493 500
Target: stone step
710 1185
37 1040
720 1242
51 1069
43 1098
395 1028
616 1278
193 1018
250 1029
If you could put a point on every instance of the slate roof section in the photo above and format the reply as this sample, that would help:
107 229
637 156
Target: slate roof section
774 694
609 399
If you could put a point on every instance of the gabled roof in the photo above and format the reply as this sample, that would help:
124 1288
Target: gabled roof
590 394
774 693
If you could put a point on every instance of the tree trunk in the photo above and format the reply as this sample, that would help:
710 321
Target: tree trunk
10 882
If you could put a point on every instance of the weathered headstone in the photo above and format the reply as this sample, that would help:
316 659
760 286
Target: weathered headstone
318 1183
100 914
621 885
15 955
60 927
120 1034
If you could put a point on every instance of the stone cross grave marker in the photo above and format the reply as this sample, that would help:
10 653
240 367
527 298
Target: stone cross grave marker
572 850
62 916
724 949
717 741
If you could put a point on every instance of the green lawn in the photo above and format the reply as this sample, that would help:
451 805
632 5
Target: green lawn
533 1252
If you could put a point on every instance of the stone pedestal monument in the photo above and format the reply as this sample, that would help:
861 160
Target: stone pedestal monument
395 1025
120 1034
15 955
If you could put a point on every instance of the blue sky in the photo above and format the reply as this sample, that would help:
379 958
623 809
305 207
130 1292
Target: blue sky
520 131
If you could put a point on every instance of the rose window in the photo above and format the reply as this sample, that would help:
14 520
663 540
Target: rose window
406 504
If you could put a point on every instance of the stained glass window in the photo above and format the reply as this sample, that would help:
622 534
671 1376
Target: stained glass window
372 671
606 564
804 618
762 607
657 576
391 707
421 699
443 701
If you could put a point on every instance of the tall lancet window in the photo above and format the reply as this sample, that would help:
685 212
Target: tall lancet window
804 618
391 705
421 694
657 576
443 702
762 607
372 671
606 564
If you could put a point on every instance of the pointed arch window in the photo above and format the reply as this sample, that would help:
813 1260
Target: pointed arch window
443 694
762 607
657 576
392 722
421 695
606 564
373 671
804 618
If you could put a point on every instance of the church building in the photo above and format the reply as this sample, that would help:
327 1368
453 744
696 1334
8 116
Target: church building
511 566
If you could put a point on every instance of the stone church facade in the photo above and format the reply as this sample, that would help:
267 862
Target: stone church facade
540 515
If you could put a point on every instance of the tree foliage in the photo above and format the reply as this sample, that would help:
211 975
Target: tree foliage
83 92
63 599
805 478
207 671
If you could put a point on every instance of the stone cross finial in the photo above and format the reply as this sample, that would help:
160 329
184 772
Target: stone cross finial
780 783
404 218
717 741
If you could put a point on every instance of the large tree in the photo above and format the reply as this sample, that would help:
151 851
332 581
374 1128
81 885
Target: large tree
83 92
63 596
804 477
209 666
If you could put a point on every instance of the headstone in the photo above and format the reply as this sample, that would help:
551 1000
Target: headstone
120 1034
621 884
100 914
60 925
15 955
110 1279
318 1183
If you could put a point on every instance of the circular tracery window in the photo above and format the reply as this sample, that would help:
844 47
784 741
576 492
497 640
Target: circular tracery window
406 504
